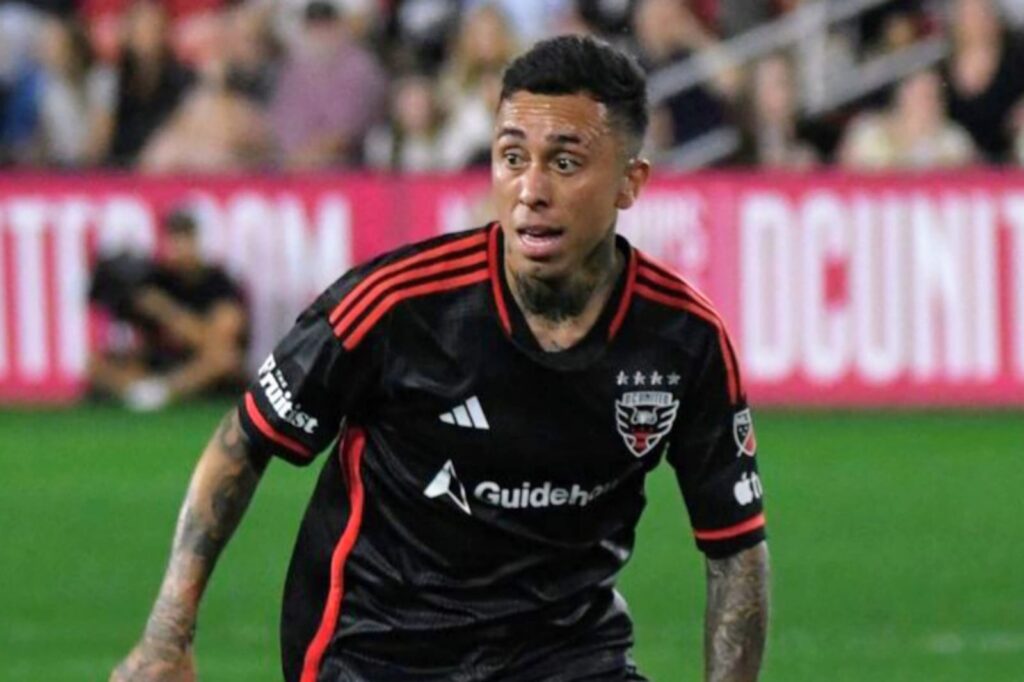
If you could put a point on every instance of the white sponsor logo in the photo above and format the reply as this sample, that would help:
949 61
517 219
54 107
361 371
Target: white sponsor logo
468 415
748 489
276 389
530 496
643 418
447 483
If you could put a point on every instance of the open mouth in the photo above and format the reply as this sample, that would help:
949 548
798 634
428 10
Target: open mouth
540 241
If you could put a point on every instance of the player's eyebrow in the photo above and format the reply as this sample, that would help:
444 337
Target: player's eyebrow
564 138
552 138
512 132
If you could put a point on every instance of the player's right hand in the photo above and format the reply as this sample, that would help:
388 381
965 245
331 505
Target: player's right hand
148 664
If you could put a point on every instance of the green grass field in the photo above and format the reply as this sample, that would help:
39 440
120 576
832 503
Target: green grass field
897 545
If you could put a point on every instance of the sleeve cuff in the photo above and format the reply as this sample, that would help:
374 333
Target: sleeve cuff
268 439
718 543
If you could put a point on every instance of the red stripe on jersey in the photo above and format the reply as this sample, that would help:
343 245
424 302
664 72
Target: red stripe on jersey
269 431
370 298
666 276
351 458
436 252
499 296
627 296
703 313
399 295
731 531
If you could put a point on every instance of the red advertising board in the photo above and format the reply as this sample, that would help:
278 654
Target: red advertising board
838 290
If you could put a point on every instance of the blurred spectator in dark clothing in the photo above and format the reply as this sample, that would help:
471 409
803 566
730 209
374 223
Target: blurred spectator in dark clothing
329 93
984 75
75 98
150 84
250 55
893 25
733 17
668 34
914 132
422 30
189 319
773 134
609 18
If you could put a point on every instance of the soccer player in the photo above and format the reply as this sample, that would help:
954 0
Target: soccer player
498 397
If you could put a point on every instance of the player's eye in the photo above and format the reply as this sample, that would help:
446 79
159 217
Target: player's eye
513 159
566 164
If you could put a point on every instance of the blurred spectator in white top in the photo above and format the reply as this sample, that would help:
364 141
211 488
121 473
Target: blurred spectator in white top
75 98
773 134
915 132
151 82
668 33
985 75
411 142
471 84
529 20
330 92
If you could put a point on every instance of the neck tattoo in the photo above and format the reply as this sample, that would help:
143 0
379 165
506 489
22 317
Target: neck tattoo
559 300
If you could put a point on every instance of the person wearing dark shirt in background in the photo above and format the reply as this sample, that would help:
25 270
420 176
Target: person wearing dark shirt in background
151 82
985 76
191 327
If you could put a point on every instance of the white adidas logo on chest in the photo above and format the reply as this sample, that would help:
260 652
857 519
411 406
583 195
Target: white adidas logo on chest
469 415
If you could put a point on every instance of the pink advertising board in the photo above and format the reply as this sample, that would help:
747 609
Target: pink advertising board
838 290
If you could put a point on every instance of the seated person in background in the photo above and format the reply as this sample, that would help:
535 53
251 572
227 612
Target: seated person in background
189 320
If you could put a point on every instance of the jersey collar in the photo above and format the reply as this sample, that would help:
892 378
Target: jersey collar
514 324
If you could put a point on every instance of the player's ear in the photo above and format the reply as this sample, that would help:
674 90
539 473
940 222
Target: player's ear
637 172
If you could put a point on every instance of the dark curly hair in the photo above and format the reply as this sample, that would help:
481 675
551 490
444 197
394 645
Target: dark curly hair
573 64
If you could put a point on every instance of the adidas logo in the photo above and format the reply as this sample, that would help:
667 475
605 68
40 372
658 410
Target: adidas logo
469 415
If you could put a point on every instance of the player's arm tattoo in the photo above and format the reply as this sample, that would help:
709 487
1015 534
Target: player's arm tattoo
218 495
736 622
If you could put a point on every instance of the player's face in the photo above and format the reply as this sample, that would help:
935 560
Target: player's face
560 173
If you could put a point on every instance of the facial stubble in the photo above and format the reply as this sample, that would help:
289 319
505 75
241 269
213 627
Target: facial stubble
558 299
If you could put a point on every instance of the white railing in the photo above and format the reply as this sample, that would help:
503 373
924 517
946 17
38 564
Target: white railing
806 31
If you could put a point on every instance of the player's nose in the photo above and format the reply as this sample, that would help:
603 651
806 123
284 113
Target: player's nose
535 187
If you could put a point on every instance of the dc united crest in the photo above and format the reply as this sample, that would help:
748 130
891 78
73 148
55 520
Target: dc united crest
743 432
643 418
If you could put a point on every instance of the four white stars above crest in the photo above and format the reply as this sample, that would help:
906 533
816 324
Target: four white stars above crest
639 378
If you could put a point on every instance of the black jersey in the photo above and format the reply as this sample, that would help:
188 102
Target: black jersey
484 494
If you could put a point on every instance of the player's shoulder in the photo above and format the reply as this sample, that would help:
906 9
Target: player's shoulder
673 297
675 307
686 317
367 292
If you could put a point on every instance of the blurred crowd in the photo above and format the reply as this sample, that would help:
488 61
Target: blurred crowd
411 85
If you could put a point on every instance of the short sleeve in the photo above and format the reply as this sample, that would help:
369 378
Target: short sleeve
304 389
714 452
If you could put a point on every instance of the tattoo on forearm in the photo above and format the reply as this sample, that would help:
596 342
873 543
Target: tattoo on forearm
217 498
736 621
